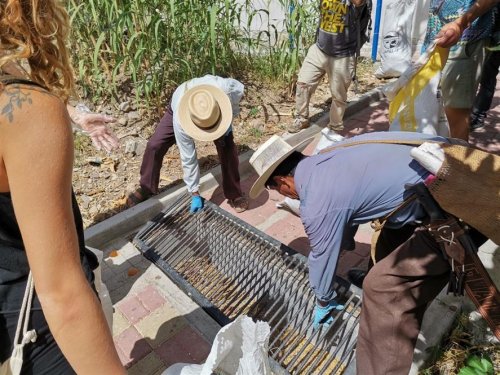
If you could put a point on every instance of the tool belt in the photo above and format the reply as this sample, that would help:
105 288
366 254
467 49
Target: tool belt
467 272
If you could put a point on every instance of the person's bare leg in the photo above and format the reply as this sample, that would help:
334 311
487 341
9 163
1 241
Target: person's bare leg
459 121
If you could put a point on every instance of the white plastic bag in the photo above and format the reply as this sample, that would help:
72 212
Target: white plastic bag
395 47
415 104
240 348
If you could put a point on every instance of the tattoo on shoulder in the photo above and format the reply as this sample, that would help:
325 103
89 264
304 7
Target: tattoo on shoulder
17 97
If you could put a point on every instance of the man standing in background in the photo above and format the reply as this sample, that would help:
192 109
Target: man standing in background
338 39
465 26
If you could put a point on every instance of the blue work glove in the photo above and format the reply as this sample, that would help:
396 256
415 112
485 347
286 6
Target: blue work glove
323 316
196 204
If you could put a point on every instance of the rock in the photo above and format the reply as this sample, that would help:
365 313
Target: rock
125 106
122 121
94 160
481 333
141 147
85 201
133 116
131 146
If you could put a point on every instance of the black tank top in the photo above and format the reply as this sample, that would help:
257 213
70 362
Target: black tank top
14 268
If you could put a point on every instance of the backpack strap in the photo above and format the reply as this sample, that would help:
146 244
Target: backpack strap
6 80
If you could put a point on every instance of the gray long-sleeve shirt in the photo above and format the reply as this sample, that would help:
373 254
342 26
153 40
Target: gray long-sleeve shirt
350 186
189 159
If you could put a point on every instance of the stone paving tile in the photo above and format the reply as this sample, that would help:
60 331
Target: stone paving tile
120 323
140 262
132 309
124 291
150 298
488 137
129 251
187 346
122 265
148 365
288 230
115 261
132 345
114 281
124 359
161 325
259 209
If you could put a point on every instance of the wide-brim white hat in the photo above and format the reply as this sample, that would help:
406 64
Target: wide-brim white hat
205 112
268 157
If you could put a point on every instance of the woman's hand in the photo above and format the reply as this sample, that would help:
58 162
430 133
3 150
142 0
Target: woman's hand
96 126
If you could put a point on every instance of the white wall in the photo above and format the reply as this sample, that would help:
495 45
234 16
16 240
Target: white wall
277 15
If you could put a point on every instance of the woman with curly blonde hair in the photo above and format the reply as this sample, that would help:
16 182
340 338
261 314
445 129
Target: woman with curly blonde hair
41 233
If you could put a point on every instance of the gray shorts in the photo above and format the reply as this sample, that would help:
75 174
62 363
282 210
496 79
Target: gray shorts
462 73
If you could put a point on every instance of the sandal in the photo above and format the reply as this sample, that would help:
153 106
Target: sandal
239 204
136 197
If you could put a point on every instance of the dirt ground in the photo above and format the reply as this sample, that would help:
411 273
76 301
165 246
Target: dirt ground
101 181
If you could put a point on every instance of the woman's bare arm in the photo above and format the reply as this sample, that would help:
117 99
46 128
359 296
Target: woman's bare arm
36 146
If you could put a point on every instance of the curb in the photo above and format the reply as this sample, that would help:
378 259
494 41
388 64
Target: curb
352 109
126 222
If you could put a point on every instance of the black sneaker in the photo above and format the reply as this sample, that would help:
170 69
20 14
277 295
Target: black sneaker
477 120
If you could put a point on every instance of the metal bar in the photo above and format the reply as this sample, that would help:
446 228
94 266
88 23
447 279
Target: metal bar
230 268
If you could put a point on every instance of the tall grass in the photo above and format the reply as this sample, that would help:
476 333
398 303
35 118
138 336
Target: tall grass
145 48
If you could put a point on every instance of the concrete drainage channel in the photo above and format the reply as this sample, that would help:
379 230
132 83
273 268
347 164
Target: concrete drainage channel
230 268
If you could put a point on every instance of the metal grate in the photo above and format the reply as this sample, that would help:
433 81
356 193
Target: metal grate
230 268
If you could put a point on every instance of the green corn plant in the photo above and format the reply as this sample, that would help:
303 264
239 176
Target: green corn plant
148 47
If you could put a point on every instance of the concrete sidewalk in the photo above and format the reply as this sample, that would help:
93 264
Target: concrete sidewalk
155 324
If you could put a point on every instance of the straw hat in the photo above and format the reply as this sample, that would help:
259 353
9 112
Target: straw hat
205 112
268 157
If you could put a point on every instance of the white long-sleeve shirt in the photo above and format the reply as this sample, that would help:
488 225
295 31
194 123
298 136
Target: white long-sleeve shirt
189 159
